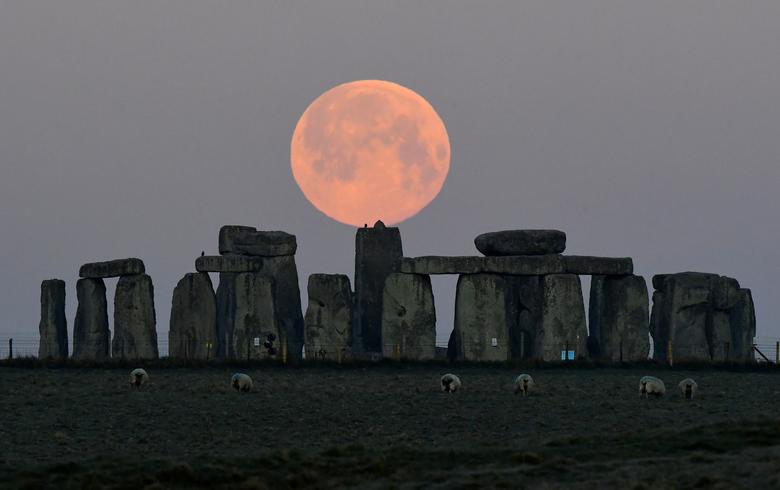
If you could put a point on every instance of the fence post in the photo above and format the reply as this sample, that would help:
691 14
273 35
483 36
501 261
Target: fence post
284 351
397 352
728 350
208 350
777 352
669 355
248 348
338 355
10 348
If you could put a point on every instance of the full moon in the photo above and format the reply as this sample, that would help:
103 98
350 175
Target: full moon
370 150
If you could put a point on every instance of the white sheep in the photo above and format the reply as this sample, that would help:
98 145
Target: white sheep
523 384
450 383
650 385
138 377
241 382
688 388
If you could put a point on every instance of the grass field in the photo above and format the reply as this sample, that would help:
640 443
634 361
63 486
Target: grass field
386 426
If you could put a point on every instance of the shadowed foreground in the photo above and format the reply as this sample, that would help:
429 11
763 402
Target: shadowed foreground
385 426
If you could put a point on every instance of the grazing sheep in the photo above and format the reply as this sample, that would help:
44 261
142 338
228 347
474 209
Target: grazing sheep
450 383
138 377
523 383
241 382
650 385
688 388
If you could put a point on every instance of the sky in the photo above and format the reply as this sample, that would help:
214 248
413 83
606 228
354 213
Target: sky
641 129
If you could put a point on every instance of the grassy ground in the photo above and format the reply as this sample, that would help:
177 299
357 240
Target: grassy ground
385 426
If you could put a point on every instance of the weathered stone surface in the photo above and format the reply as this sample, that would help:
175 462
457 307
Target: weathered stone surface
619 309
521 242
135 332
524 265
229 263
256 320
112 268
377 251
563 318
226 314
597 266
531 265
704 316
193 322
329 317
481 330
524 300
91 337
245 240
742 318
287 296
53 327
408 317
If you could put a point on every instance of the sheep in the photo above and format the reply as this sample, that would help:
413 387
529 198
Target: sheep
523 383
138 377
241 382
688 388
450 383
650 385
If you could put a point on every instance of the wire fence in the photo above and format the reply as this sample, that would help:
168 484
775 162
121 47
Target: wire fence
764 349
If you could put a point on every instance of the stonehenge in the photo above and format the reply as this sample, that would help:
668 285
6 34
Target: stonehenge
91 336
521 300
704 317
619 312
263 262
53 327
193 322
377 251
329 317
135 323
521 242
408 317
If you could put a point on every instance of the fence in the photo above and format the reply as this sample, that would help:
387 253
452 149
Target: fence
764 350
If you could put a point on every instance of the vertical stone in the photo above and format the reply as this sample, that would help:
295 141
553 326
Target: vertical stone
135 324
226 314
53 327
256 332
408 317
563 318
618 324
91 337
742 318
524 300
329 317
193 322
481 326
284 272
377 251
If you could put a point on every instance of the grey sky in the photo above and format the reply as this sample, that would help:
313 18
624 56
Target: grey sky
649 129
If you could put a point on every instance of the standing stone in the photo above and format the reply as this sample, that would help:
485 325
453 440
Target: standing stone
329 317
135 325
704 316
524 314
53 327
742 318
408 317
563 318
377 251
287 298
193 322
481 330
226 314
91 337
521 242
256 332
619 309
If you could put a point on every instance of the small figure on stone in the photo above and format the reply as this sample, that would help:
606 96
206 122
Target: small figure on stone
202 253
269 344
